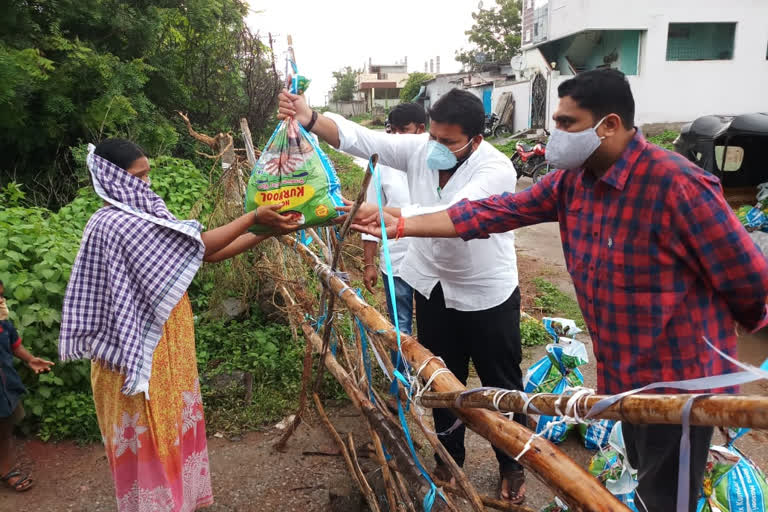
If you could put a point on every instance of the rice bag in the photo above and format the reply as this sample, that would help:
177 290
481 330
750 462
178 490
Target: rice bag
295 173
732 482
595 435
553 374
611 467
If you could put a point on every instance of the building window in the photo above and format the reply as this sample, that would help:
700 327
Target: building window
700 41
528 35
535 29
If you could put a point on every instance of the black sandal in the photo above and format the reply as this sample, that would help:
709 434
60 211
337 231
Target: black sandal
516 480
24 483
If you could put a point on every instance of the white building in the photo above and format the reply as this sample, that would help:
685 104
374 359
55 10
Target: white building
683 58
380 85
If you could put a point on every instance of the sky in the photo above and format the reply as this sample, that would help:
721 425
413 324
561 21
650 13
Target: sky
331 34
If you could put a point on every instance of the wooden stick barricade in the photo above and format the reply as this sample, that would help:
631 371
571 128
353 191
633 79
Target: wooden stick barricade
713 410
568 480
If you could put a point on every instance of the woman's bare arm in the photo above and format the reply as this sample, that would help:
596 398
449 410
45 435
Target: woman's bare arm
238 246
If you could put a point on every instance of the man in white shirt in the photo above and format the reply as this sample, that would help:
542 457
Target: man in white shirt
467 300
405 118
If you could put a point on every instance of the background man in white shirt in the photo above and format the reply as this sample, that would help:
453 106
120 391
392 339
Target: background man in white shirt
467 300
405 118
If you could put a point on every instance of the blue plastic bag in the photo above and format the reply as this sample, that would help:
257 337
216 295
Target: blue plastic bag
553 374
732 482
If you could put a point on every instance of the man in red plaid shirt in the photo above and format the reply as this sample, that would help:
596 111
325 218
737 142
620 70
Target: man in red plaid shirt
658 259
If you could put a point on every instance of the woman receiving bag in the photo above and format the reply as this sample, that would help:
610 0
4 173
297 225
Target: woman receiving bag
126 309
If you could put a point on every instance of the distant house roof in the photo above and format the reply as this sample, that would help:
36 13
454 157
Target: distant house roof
378 85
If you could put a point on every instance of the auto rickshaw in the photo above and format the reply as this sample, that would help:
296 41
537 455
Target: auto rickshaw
734 148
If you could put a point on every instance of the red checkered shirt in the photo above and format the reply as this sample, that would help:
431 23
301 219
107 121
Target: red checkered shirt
658 259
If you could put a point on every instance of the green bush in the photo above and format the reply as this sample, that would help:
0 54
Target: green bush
532 333
665 139
267 351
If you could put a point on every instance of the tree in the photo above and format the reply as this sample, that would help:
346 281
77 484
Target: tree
345 86
76 71
412 86
495 34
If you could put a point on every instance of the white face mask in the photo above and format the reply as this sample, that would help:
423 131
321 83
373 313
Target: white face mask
569 150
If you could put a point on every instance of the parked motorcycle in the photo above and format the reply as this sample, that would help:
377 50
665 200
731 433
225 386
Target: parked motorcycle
493 126
531 161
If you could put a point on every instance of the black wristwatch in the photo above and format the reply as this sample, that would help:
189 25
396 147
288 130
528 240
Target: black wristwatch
312 122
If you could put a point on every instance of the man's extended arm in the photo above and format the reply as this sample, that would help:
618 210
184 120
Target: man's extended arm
708 236
477 219
350 137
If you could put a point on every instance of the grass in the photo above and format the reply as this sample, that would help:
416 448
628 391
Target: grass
665 139
350 174
533 333
550 301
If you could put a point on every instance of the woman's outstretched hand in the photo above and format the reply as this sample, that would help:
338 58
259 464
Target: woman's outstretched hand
268 216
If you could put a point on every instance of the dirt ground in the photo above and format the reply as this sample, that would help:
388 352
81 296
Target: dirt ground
248 475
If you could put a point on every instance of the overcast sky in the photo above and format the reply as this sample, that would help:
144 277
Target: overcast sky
331 34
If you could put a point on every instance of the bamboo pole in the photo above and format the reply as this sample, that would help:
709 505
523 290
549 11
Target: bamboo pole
337 438
386 474
335 262
468 490
715 410
365 486
404 492
497 504
567 479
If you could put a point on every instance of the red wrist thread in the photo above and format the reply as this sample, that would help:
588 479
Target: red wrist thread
400 228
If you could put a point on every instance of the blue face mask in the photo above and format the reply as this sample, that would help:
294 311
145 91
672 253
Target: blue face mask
440 158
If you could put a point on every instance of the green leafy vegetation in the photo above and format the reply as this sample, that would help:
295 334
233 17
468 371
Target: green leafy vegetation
495 35
350 174
345 86
665 139
413 85
532 333
75 71
551 301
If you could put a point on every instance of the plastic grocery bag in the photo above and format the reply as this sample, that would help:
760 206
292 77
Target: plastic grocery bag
611 467
295 173
595 435
557 327
732 482
553 374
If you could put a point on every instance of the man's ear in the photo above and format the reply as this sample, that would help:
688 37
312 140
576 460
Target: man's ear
611 125
476 140
421 128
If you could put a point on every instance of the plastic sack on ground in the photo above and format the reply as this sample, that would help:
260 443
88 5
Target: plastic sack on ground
553 374
611 467
555 506
557 327
295 173
732 482
595 435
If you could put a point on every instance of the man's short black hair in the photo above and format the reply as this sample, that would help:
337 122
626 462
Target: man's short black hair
462 108
120 152
602 92
406 113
